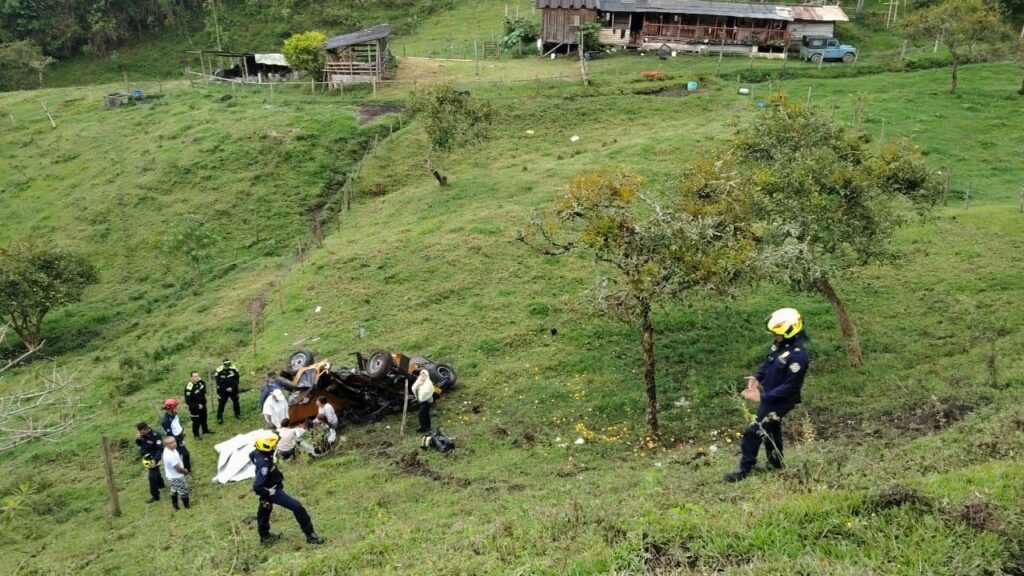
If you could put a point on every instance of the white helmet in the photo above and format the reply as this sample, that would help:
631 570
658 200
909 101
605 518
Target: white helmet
785 322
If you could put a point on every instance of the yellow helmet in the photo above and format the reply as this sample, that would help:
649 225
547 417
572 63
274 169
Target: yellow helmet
785 322
266 441
148 462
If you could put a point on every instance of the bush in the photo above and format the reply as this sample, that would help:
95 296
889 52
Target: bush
519 30
305 51
451 116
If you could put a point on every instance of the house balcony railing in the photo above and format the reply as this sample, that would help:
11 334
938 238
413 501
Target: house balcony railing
715 34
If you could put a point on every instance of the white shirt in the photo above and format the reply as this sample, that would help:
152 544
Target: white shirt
176 428
276 408
171 459
289 437
327 414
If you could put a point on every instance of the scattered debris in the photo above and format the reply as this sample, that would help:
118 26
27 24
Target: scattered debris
368 112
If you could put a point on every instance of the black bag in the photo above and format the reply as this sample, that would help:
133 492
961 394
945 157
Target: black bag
438 441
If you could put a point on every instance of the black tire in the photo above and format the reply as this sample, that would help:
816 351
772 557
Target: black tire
848 57
815 58
379 363
299 360
444 376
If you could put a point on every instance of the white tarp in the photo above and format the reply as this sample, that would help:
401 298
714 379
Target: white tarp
272 59
233 463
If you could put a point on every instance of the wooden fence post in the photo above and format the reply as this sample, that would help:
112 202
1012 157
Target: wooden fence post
1021 198
115 503
967 194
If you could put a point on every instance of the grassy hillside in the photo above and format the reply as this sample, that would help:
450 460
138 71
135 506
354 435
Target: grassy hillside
907 466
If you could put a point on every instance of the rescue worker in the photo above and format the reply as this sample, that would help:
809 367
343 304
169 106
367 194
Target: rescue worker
151 449
423 389
195 397
171 423
776 387
227 389
327 416
269 486
274 382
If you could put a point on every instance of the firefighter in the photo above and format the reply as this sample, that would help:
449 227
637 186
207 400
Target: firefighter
776 387
151 449
171 423
269 486
195 397
227 389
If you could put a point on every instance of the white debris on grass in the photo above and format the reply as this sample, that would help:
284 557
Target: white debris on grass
580 441
682 402
574 139
317 311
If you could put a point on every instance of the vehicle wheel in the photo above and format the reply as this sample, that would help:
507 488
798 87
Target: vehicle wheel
848 57
815 58
444 376
379 364
300 360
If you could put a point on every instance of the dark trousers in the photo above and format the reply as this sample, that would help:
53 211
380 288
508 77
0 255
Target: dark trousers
156 482
198 417
222 401
767 430
424 416
287 502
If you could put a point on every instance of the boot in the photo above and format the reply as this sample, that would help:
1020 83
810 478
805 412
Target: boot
314 538
174 501
736 475
152 499
184 500
270 538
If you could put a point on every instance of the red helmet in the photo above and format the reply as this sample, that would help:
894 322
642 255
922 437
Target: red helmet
171 403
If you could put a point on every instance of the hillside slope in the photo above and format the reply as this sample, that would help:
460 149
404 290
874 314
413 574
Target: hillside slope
907 466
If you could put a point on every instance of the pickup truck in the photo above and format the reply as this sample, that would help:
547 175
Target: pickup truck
818 48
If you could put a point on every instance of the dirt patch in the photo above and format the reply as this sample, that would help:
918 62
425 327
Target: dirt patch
898 496
412 465
526 440
368 112
677 92
934 416
500 432
516 487
980 515
659 558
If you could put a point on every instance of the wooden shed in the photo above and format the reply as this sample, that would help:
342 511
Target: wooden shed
358 57
562 21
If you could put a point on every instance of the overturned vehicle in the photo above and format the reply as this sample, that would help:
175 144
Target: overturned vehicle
377 385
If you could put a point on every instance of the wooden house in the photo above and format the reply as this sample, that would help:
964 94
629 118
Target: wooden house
358 57
687 25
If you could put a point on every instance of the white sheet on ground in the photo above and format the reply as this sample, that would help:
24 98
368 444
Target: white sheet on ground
233 463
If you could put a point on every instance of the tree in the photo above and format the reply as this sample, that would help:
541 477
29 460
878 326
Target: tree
653 254
960 25
828 200
305 52
519 30
190 240
17 61
451 118
35 280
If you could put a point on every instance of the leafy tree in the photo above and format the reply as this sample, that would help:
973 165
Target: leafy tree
519 30
451 117
960 25
16 60
35 280
652 254
305 51
191 241
829 201
591 35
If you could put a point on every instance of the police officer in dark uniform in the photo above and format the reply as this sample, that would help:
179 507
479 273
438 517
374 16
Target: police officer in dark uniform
227 388
269 486
776 387
195 397
151 449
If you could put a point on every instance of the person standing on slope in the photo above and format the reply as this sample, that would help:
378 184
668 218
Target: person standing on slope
171 423
151 449
776 387
195 397
227 378
269 486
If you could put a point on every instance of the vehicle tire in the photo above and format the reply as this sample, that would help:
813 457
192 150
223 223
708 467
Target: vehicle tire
848 57
300 360
379 363
815 58
444 376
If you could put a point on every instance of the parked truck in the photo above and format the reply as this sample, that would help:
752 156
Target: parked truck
818 48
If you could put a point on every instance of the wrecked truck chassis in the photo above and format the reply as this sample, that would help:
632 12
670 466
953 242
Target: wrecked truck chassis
372 390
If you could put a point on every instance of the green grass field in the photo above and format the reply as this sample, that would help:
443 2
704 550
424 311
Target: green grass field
909 465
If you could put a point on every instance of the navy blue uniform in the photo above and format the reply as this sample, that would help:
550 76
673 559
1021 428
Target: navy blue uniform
166 423
269 486
227 389
782 377
152 447
195 397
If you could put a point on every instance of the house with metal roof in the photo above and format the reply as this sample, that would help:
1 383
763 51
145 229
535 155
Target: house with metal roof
361 56
687 25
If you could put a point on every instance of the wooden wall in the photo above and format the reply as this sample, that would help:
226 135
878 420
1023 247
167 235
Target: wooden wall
558 25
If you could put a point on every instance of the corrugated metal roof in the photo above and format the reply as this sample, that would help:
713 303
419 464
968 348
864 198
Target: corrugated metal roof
376 33
708 7
819 13
590 4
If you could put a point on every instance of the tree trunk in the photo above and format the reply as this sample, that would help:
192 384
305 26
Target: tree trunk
853 351
652 391
955 66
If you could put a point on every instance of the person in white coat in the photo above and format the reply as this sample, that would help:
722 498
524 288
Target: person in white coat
275 409
423 389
